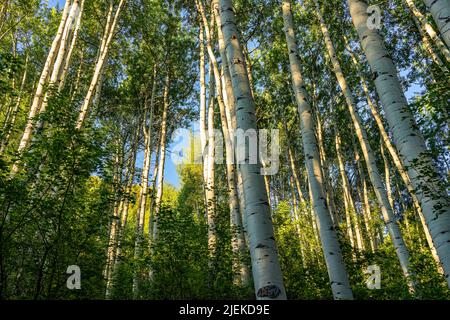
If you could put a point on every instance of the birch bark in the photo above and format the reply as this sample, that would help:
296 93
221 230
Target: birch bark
336 269
162 158
410 144
35 106
268 280
99 66
142 206
369 156
393 153
425 28
440 10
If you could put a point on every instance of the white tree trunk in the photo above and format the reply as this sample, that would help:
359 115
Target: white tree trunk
215 85
57 66
142 201
267 276
332 252
65 70
202 94
369 156
123 215
35 106
237 240
425 28
230 105
410 143
99 66
394 155
162 158
440 10
348 200
114 224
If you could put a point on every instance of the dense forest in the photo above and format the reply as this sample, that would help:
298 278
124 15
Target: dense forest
224 149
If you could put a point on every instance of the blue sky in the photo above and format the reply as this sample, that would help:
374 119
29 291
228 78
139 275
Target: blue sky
52 3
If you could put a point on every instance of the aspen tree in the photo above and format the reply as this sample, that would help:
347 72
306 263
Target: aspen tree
37 100
100 63
230 114
58 64
65 69
393 153
142 200
348 200
267 277
336 269
364 198
369 156
238 241
425 28
409 141
129 176
162 157
440 10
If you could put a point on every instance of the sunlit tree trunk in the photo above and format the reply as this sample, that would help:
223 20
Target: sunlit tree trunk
409 141
425 28
248 66
365 204
114 223
37 100
268 280
108 35
230 112
151 220
336 269
62 52
77 24
440 10
369 156
129 177
162 158
393 153
143 195
230 105
202 99
210 190
348 201
231 116
209 172
238 240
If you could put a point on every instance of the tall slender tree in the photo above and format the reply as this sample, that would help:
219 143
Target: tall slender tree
407 138
266 270
336 269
